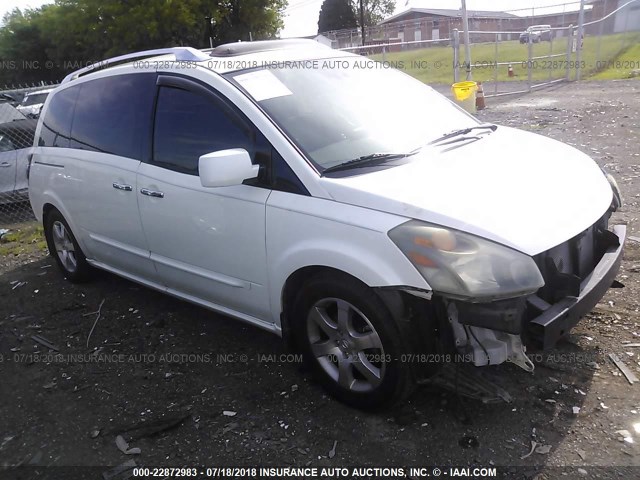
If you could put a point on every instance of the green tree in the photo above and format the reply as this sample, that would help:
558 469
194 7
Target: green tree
336 15
22 54
374 10
68 34
235 19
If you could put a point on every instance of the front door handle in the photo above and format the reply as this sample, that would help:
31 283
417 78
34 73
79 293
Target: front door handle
5 164
151 193
120 186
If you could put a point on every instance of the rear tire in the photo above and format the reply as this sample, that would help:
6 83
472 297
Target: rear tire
64 248
351 342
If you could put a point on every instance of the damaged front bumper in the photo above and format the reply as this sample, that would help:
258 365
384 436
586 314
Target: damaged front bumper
496 332
555 320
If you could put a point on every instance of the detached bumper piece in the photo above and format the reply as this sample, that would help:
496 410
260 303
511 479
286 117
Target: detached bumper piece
570 292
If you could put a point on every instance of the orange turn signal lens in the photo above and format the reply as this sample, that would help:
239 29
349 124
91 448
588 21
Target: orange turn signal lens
438 238
419 259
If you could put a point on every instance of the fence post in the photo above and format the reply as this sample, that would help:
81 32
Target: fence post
495 67
529 62
600 33
569 48
384 53
580 40
551 34
456 55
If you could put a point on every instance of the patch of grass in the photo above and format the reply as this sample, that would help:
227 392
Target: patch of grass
29 238
435 64
622 65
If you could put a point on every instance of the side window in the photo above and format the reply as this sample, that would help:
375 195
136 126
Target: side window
188 125
5 144
56 124
112 115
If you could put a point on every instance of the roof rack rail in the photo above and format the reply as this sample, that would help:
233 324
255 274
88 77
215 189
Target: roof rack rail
182 54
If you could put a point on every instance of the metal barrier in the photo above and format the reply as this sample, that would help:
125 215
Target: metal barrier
565 55
17 129
558 70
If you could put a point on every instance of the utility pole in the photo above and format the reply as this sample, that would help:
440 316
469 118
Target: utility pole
209 21
467 47
580 39
362 19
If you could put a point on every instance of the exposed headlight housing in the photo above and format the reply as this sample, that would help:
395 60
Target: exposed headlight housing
463 266
616 203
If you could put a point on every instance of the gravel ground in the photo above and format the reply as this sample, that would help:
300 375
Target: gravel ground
187 386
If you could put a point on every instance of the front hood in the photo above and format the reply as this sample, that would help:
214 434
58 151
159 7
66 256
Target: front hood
514 187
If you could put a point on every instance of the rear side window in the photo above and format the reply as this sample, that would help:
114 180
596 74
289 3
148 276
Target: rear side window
56 123
189 125
112 115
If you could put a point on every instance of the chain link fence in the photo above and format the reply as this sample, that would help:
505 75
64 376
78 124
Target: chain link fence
510 52
19 110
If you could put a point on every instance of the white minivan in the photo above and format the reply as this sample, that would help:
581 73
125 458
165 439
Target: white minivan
376 226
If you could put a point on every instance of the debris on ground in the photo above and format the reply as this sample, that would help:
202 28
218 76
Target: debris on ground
534 444
469 441
97 313
629 375
44 342
229 413
624 436
543 449
149 428
332 452
123 446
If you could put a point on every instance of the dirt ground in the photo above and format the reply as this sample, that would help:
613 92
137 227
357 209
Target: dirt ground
187 386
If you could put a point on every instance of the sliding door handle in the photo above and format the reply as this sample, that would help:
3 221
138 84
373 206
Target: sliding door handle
151 193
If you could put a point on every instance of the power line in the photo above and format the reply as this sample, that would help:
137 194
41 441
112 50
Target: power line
302 3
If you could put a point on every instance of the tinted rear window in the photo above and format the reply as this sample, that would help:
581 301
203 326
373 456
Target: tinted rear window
56 123
113 115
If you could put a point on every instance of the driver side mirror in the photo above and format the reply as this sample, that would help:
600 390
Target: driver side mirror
226 168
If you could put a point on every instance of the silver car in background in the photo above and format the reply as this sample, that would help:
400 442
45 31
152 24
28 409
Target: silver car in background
16 143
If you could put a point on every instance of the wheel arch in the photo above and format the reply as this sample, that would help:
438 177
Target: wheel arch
48 205
392 298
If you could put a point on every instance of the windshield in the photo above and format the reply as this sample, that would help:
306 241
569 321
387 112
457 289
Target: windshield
341 109
34 99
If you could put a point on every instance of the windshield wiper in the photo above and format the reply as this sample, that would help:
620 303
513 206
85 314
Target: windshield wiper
372 159
464 131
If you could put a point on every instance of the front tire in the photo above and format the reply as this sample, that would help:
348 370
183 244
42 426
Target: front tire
64 248
351 342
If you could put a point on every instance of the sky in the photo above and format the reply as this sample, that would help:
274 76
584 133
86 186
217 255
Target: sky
8 5
301 16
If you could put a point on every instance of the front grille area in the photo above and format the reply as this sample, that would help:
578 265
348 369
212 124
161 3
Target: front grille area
565 266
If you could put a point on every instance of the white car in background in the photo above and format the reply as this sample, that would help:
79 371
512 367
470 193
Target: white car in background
379 228
32 103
